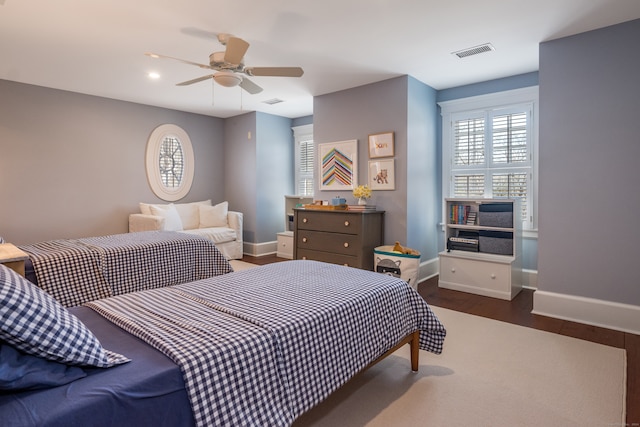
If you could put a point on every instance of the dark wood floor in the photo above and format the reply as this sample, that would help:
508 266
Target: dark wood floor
518 311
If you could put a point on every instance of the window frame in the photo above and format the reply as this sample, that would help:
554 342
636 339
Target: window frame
153 152
303 133
488 106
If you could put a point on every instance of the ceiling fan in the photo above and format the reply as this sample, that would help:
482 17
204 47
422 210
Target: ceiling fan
229 66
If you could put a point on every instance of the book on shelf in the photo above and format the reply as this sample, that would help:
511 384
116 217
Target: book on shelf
462 214
471 218
362 208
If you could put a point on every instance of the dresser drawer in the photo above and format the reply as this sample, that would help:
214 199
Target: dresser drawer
332 222
338 237
347 244
492 277
348 260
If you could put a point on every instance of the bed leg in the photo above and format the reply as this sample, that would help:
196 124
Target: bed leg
415 350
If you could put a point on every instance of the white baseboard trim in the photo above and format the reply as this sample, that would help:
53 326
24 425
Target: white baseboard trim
591 311
260 249
428 269
530 279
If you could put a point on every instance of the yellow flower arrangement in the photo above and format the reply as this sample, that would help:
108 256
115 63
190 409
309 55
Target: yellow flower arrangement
362 192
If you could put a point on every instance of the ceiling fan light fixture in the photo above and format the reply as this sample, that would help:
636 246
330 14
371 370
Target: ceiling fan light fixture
227 79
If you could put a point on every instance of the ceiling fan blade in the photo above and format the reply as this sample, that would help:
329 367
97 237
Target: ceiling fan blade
200 33
156 55
274 71
236 48
199 79
250 86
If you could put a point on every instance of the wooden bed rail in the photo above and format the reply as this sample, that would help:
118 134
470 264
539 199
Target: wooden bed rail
413 339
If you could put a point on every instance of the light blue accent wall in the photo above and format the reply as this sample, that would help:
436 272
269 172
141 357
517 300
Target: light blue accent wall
274 173
491 86
300 121
589 175
423 182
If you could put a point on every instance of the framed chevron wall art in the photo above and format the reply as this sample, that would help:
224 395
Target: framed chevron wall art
338 165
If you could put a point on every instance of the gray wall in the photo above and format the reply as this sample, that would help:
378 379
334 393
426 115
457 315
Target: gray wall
73 165
589 174
381 107
240 174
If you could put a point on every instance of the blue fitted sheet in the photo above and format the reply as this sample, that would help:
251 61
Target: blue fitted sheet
149 390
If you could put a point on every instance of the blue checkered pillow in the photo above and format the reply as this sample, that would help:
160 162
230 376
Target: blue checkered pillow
35 323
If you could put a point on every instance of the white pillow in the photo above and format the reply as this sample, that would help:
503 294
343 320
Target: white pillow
145 208
214 216
189 213
172 221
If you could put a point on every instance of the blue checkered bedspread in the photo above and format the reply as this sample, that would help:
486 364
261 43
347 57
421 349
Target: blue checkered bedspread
264 345
75 271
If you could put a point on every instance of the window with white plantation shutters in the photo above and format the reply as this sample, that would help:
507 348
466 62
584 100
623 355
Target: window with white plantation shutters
304 159
488 152
305 169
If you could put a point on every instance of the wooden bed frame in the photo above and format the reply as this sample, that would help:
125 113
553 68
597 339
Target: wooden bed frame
413 339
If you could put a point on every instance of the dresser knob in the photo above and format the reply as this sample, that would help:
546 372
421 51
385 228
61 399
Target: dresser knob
304 220
346 265
493 276
346 223
453 270
304 240
346 244
304 257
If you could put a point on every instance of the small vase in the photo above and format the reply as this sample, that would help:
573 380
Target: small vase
362 201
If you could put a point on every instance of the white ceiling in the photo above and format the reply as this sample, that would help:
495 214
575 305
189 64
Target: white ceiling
97 47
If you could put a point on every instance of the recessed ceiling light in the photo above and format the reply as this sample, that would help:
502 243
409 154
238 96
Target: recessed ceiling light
153 75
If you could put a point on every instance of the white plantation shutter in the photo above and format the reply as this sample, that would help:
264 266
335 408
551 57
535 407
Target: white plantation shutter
468 185
512 185
469 142
488 152
305 169
509 132
304 159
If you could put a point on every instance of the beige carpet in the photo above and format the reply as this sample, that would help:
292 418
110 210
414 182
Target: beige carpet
490 374
241 265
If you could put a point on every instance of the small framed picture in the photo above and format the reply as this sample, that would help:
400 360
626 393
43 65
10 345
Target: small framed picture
382 174
381 145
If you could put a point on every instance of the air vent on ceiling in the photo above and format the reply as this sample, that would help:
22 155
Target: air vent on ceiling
273 101
487 47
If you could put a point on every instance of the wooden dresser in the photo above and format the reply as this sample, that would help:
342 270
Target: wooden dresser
338 237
